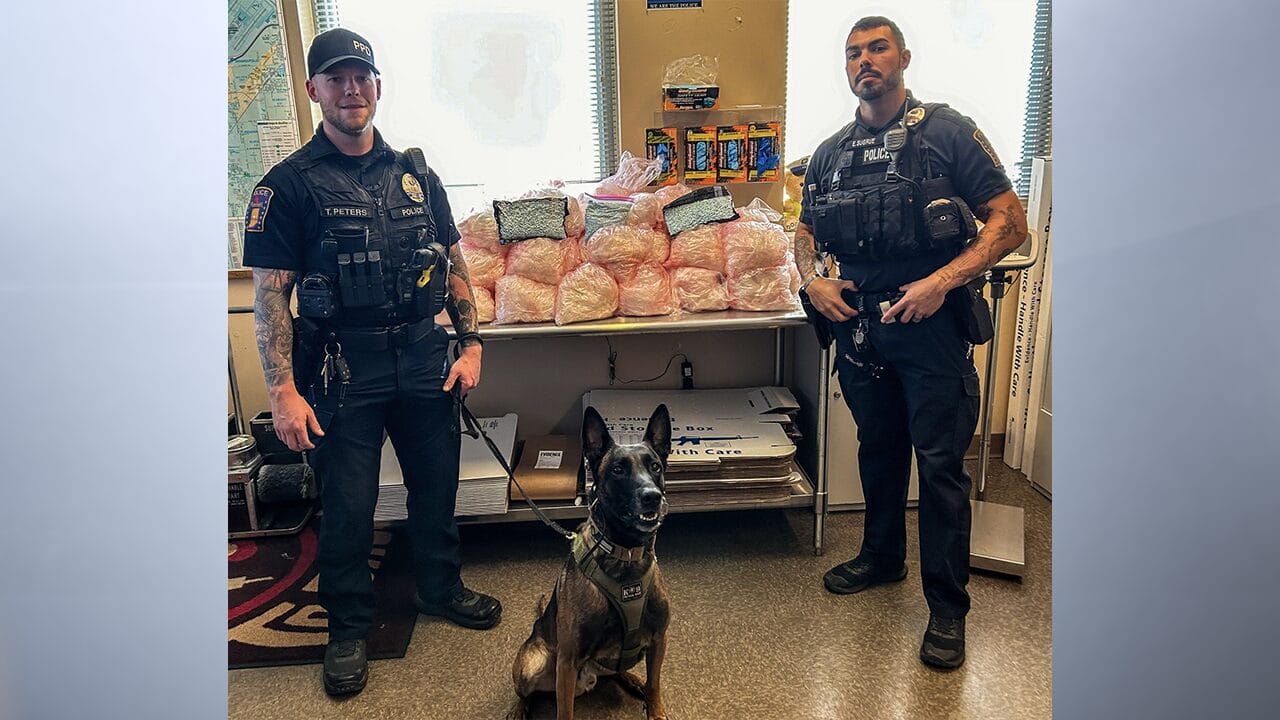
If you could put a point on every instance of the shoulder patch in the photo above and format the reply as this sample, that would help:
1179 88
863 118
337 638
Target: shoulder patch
986 146
412 187
256 218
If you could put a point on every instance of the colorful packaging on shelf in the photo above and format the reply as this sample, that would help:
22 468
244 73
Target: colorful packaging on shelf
731 153
661 143
690 97
764 151
700 155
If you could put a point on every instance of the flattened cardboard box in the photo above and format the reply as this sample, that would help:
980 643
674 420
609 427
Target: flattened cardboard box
548 468
708 427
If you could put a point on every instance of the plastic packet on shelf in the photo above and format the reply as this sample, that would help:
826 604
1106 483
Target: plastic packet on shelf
623 248
646 292
758 210
749 245
481 229
587 293
633 174
484 304
521 300
604 211
542 259
484 265
646 211
699 290
573 221
700 246
692 70
763 289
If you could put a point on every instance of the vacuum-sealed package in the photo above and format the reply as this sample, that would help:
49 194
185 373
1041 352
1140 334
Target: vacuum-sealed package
484 304
531 218
699 246
646 211
484 265
573 219
709 204
699 290
759 211
749 245
587 293
604 211
480 229
521 300
542 259
646 292
763 289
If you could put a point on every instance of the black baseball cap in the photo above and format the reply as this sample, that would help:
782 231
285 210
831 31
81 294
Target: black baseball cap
333 46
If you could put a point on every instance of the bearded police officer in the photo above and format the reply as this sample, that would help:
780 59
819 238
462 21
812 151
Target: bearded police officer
893 196
366 235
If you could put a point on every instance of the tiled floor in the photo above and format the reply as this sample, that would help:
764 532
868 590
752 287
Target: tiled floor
753 633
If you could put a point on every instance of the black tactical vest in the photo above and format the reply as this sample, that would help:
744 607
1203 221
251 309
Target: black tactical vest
869 213
376 247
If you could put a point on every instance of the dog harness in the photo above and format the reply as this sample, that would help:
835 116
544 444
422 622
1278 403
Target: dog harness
627 598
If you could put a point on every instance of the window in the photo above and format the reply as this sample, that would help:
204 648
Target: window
971 54
501 95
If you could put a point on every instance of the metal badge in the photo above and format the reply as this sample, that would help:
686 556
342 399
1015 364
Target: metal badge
411 187
914 115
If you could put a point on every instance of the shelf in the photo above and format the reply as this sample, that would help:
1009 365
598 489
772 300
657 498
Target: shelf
713 321
801 497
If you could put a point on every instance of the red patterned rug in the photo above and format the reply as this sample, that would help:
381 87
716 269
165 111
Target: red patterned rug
274 616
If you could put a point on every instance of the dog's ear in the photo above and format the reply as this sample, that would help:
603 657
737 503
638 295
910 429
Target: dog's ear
595 438
658 433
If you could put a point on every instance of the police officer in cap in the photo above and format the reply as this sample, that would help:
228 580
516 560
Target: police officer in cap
365 234
893 196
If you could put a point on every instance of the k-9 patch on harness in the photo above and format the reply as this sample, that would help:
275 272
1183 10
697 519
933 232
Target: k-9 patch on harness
256 218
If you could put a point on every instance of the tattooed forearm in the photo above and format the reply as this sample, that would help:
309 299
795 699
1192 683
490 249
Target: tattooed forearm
806 254
461 304
273 324
1004 229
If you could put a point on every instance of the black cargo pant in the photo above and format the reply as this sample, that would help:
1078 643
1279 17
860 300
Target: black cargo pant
914 385
396 388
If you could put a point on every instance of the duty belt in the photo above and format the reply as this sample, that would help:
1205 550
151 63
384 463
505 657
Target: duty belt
868 304
396 336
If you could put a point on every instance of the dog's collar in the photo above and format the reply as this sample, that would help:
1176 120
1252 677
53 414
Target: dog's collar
594 538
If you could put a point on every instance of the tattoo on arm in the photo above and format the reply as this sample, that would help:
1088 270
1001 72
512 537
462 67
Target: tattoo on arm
461 303
273 325
806 254
999 236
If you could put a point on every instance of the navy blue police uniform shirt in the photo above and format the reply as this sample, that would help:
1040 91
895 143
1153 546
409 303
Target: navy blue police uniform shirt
954 147
290 234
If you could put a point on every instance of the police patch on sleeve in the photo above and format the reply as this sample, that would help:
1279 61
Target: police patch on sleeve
986 146
411 187
256 219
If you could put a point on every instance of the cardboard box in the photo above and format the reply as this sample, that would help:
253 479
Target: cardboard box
548 468
700 155
764 152
731 153
690 97
661 142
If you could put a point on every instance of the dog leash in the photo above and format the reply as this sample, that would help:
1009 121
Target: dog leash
474 430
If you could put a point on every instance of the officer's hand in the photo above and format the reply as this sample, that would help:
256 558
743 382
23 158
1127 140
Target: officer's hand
824 293
465 371
922 299
292 416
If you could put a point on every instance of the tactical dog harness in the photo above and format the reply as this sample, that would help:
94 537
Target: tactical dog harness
628 599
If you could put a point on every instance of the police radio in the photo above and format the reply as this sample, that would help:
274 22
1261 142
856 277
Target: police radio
894 140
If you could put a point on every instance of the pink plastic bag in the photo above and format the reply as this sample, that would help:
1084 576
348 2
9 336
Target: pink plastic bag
588 293
484 305
480 228
542 259
763 289
699 290
483 265
646 211
699 246
671 192
623 248
750 245
646 292
521 300
759 211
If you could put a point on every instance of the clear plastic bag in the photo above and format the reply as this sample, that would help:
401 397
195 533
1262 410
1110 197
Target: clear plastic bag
633 175
700 247
699 290
692 70
480 228
646 292
763 289
484 266
646 211
573 221
484 304
759 211
521 300
623 248
750 245
604 211
542 259
587 293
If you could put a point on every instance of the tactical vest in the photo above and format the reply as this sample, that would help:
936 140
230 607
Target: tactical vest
380 261
627 599
881 205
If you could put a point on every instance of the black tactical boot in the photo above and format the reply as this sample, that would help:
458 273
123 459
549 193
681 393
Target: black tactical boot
859 574
346 667
467 608
943 645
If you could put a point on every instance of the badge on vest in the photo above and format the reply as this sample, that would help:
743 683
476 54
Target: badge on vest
914 116
631 591
256 218
411 187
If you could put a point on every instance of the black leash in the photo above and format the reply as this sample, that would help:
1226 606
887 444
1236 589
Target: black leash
474 430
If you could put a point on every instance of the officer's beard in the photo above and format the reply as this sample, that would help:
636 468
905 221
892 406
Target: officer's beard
335 120
888 83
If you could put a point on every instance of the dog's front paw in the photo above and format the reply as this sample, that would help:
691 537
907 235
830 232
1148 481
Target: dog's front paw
656 712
